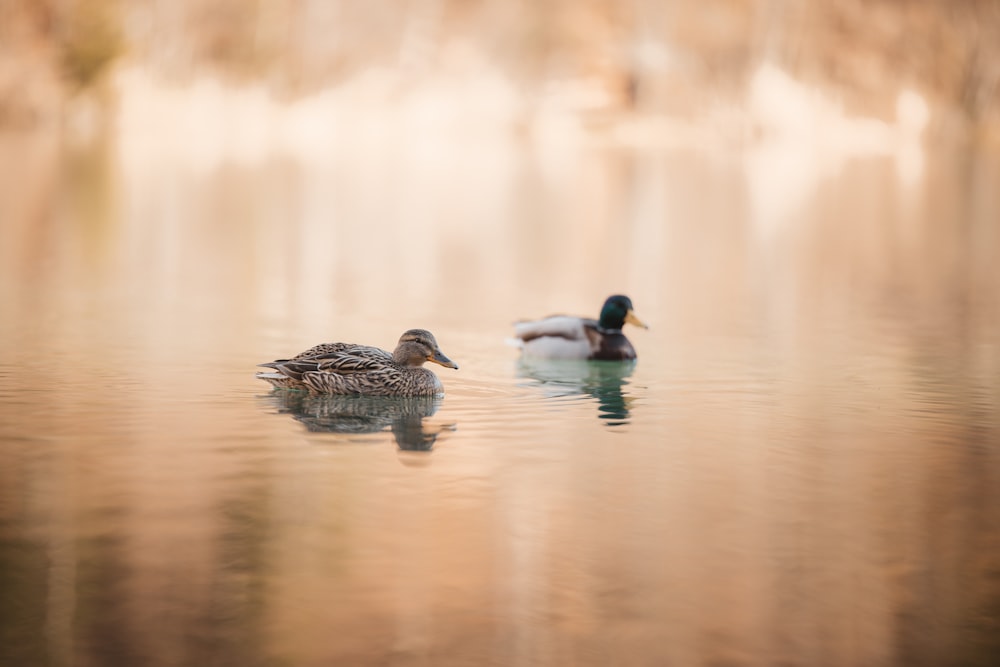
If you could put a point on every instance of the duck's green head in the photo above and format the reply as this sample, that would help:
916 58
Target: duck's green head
617 311
417 346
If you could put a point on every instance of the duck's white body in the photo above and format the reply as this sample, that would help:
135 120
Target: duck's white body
566 337
556 337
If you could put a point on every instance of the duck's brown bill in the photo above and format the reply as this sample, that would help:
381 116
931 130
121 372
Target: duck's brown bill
439 358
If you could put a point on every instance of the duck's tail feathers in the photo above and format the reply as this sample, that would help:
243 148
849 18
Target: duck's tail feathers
296 369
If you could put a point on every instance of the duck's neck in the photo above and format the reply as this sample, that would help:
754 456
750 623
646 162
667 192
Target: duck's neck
407 357
611 322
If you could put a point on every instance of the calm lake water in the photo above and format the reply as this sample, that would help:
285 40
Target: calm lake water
802 468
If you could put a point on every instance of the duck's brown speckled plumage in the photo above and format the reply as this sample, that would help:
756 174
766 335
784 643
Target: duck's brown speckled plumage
348 368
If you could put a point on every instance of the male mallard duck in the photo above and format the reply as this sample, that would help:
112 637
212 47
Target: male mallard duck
565 337
346 368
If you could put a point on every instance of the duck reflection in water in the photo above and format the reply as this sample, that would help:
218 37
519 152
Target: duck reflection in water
353 415
602 380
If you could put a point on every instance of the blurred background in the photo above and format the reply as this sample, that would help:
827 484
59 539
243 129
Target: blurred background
598 65
803 468
481 118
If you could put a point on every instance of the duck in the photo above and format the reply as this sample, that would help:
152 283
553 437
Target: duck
363 370
567 337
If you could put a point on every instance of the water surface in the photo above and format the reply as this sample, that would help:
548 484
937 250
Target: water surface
802 468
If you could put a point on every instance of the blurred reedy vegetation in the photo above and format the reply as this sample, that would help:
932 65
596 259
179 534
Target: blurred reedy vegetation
645 56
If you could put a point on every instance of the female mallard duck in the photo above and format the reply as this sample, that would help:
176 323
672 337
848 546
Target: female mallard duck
565 337
346 368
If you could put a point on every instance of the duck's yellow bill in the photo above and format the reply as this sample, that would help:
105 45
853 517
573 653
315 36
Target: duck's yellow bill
632 319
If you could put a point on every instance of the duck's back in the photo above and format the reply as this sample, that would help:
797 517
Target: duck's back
353 349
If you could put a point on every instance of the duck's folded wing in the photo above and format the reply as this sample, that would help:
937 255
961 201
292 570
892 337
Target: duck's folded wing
347 363
347 374
558 326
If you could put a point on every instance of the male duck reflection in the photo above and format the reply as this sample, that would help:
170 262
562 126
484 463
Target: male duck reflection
565 337
600 380
361 370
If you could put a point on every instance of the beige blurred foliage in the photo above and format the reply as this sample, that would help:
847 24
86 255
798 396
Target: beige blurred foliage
600 57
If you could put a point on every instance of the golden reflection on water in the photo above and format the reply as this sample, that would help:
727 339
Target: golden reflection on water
802 467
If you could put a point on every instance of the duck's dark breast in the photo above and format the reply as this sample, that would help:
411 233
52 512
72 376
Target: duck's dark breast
614 347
